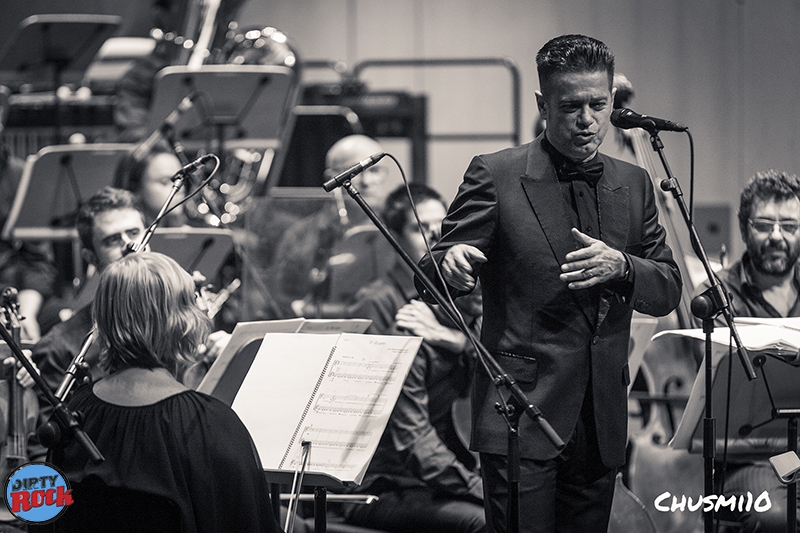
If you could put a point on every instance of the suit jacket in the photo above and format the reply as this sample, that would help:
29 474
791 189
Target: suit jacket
555 342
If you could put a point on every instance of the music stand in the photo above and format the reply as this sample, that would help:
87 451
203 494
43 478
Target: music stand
201 249
755 429
54 182
46 47
243 106
228 371
50 48
361 256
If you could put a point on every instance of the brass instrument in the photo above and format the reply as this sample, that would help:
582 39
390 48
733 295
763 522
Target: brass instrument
209 37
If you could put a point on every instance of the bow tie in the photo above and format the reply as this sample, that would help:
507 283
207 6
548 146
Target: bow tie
570 171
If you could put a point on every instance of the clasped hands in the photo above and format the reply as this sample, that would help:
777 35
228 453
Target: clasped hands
594 263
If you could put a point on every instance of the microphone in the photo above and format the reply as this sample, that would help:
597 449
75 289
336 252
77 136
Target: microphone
625 118
193 166
169 123
355 170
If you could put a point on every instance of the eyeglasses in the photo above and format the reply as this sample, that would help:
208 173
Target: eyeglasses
765 225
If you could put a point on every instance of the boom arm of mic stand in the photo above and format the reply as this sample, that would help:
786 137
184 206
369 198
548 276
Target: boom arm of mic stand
499 376
66 418
719 297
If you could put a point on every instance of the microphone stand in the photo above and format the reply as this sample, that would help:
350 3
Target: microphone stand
706 306
518 403
67 420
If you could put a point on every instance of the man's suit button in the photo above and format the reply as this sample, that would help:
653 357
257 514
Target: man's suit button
595 339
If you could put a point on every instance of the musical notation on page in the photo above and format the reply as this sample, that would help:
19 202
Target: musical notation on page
335 391
363 371
361 404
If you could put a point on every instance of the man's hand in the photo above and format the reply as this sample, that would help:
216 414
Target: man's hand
595 263
458 266
418 318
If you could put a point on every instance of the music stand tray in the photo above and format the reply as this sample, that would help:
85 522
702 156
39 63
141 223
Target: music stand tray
48 47
253 102
54 183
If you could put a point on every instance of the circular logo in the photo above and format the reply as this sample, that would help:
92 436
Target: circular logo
37 493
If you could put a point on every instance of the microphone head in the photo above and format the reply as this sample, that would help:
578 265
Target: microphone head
624 118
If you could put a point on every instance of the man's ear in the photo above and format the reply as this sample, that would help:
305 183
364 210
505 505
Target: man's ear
540 103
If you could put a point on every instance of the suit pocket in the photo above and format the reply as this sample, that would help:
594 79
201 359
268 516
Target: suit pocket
523 368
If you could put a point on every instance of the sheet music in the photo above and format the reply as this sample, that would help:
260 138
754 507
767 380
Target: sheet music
777 337
243 333
246 332
335 391
334 325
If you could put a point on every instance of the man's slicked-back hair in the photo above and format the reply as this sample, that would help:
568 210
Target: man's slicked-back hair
764 187
573 53
106 199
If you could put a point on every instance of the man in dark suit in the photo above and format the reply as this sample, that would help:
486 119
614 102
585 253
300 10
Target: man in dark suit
566 242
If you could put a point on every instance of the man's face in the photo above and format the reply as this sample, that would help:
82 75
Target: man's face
773 250
431 213
113 230
577 107
372 184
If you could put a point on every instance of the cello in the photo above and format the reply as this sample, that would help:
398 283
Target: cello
19 406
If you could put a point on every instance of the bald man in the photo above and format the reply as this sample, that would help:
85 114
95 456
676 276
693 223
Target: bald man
301 283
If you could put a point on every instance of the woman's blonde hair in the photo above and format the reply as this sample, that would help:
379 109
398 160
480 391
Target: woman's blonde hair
146 314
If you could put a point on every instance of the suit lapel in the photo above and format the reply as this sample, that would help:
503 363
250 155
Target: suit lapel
544 195
613 210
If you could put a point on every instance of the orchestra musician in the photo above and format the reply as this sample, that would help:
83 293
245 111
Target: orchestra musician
424 477
307 245
106 223
566 243
763 283
150 178
177 459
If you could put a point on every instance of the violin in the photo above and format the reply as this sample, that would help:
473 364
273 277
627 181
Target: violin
19 407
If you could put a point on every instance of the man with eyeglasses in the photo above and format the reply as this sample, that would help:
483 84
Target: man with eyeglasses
764 283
